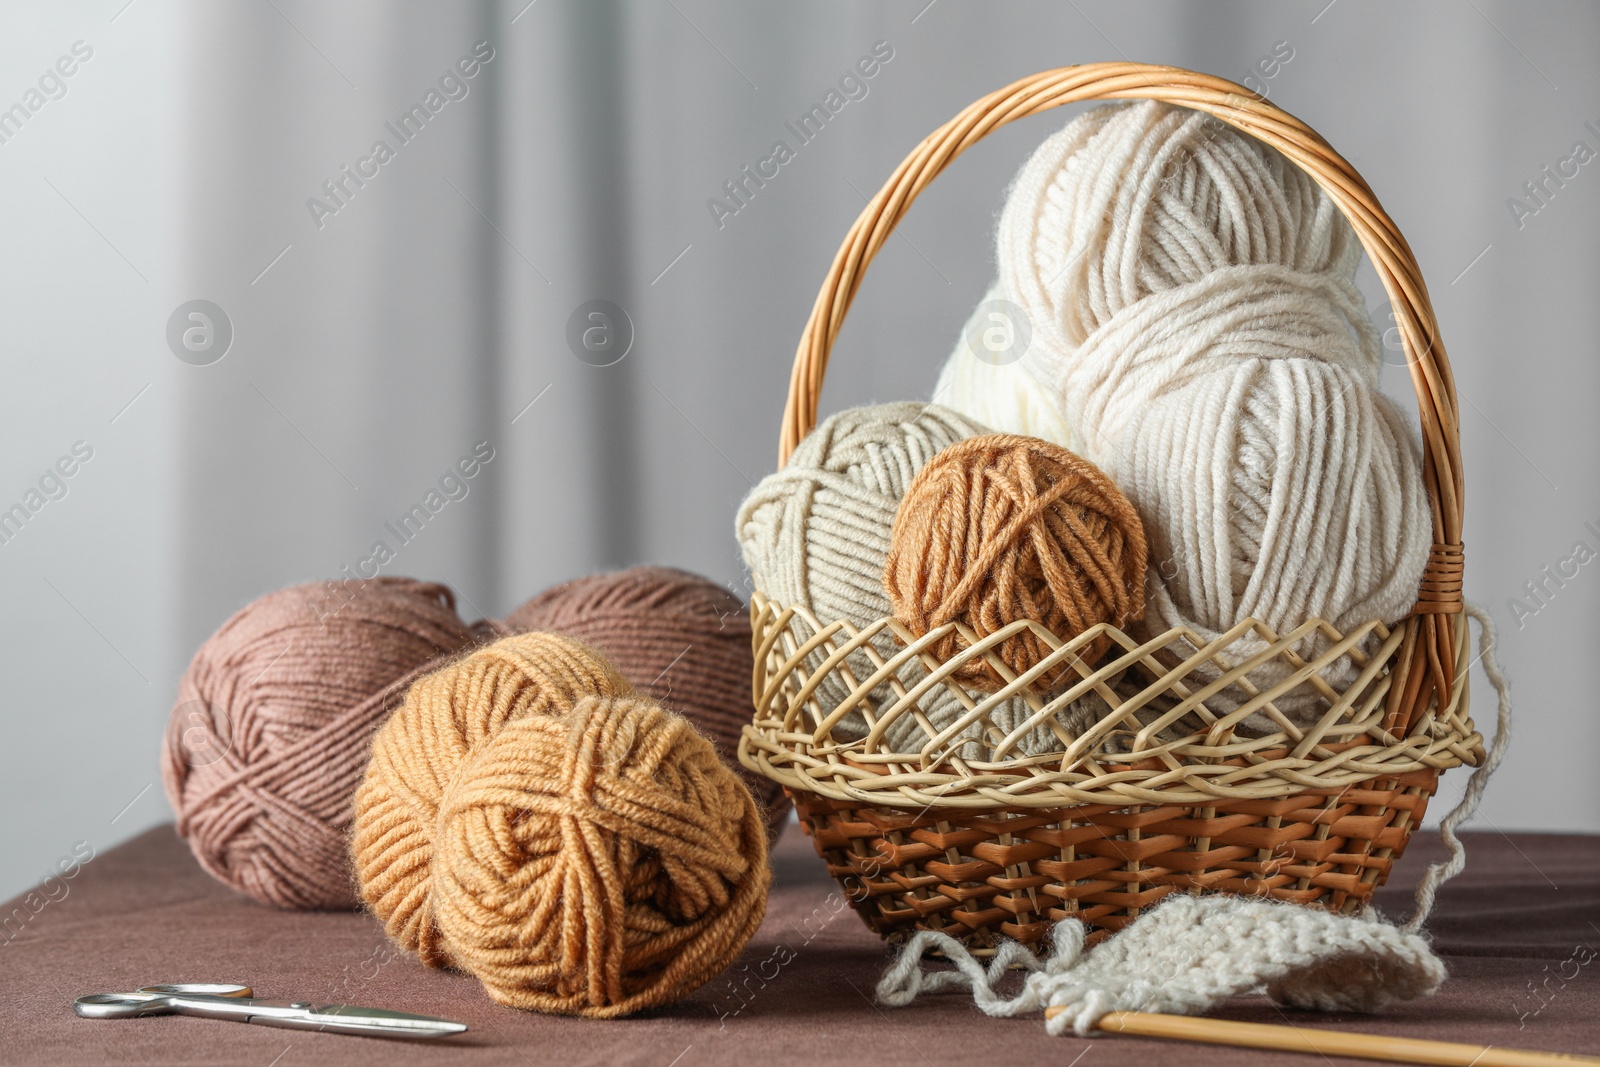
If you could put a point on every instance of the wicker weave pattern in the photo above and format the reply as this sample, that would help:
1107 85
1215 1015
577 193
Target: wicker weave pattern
981 836
973 764
1014 874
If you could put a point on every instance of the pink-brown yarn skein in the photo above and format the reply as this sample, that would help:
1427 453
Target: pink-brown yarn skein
680 639
274 721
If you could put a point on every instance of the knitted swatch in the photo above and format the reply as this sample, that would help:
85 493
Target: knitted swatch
1184 957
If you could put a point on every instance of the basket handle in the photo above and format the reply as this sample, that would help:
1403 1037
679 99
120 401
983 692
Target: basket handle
1440 592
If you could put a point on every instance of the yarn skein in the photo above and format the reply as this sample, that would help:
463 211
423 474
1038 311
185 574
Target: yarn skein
270 734
1137 200
1195 320
601 864
816 535
999 528
590 856
421 749
678 638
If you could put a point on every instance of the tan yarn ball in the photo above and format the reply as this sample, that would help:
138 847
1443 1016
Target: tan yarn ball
579 849
1000 527
419 752
600 863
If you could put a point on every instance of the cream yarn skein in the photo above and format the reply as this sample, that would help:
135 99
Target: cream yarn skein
1133 200
816 535
1195 322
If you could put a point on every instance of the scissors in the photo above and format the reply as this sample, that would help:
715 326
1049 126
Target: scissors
223 1001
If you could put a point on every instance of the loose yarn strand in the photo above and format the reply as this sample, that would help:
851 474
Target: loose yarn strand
905 977
1440 873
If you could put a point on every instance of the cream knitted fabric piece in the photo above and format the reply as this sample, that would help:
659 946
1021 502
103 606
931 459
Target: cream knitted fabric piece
1186 956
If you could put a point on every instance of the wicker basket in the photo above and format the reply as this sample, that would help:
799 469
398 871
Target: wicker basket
982 839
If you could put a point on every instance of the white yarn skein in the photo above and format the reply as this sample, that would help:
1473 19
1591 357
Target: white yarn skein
1196 324
816 535
1132 200
1224 201
1186 956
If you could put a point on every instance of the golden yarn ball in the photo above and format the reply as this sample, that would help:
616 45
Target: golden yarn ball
420 751
579 849
599 864
999 528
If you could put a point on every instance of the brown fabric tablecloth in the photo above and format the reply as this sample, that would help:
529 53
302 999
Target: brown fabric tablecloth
1527 908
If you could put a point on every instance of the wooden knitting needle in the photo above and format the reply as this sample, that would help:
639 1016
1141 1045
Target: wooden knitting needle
1325 1042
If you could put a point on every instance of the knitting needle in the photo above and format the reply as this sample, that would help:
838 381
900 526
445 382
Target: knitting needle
1325 1042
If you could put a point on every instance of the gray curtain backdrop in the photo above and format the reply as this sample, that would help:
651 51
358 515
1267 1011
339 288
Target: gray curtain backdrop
375 344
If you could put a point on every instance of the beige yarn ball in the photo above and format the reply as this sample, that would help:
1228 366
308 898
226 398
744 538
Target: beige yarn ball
446 717
576 847
816 535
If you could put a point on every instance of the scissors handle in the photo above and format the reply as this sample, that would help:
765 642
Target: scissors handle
153 999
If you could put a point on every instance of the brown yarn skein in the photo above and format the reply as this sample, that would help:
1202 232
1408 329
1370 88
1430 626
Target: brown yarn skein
274 715
1001 527
589 858
682 640
420 751
599 864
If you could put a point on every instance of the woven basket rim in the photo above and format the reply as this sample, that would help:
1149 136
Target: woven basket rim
791 739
